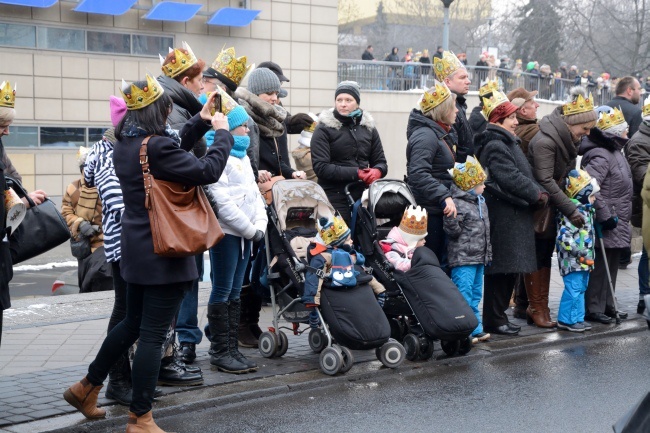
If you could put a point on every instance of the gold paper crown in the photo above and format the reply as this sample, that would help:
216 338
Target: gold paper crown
447 65
580 105
608 120
493 102
183 59
334 232
233 68
7 95
431 100
414 221
227 103
468 175
646 107
311 128
575 184
137 98
489 87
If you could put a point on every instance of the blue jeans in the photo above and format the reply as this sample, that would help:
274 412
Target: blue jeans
572 303
644 274
228 260
469 280
187 323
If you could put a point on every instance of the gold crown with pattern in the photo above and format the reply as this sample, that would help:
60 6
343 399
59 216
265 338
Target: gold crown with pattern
7 95
227 103
183 59
608 120
493 102
447 65
468 175
414 221
137 98
489 87
334 233
431 100
580 105
646 107
576 183
234 68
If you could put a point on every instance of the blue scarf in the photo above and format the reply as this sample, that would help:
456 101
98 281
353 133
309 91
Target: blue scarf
356 113
241 145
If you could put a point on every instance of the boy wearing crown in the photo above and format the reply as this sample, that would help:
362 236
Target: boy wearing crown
575 251
469 249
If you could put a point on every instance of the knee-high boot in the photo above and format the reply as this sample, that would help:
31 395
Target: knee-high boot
218 321
247 337
545 277
536 311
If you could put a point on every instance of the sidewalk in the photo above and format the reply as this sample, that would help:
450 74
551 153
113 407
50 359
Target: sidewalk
48 343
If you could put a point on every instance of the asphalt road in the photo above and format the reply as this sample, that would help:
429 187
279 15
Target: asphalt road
576 388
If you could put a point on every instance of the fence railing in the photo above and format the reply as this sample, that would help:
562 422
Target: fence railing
396 76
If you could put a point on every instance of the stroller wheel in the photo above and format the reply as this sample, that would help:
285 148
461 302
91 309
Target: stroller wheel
283 344
411 347
348 358
426 348
392 354
465 346
397 329
317 340
331 360
450 347
268 344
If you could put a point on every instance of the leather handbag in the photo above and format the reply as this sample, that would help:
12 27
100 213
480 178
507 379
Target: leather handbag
542 219
266 188
182 222
42 229
80 248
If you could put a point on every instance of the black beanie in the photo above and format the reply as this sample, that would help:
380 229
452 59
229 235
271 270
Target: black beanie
351 88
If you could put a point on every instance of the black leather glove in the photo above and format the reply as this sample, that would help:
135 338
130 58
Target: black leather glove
577 219
297 122
86 229
259 234
609 224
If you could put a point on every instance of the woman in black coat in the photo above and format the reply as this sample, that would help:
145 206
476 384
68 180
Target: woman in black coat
155 284
511 191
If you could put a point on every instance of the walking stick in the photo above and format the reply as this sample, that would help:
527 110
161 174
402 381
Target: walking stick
599 235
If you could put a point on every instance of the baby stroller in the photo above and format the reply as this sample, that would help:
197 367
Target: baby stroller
297 205
423 304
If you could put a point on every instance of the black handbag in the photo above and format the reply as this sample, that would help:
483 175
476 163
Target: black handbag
42 229
80 248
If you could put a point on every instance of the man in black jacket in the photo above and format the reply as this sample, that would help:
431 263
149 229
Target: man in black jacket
367 55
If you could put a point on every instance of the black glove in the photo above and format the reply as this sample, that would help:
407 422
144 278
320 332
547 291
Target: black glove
609 224
577 219
86 229
259 234
297 122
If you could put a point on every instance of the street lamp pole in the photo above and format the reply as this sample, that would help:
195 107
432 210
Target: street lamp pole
489 35
445 28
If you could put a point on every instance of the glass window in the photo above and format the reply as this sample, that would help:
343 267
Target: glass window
109 42
151 45
95 134
21 136
56 38
63 137
18 35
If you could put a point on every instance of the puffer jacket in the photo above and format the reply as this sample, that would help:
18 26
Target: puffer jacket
339 150
396 250
637 152
430 152
603 160
463 130
575 247
241 206
469 232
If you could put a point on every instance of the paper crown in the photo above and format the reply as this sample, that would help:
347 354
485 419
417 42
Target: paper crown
137 98
493 102
227 103
489 87
575 183
646 107
414 221
183 59
608 120
447 65
82 154
312 127
468 175
233 68
580 105
7 95
333 232
437 95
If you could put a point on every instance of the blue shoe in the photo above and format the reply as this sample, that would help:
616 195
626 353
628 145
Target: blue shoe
576 327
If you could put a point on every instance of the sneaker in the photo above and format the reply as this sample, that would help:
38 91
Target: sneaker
481 336
576 327
586 325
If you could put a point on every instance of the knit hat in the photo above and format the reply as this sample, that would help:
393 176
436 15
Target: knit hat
349 87
263 80
580 108
118 109
237 117
413 226
467 175
334 231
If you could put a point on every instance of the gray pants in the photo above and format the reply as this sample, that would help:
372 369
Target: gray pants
598 298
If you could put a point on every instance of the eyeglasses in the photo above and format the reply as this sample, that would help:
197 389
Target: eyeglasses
207 81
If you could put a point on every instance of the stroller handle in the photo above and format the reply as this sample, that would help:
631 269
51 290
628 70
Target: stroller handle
348 194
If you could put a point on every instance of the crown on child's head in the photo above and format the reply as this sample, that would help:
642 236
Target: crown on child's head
575 181
183 59
611 119
333 232
414 221
468 175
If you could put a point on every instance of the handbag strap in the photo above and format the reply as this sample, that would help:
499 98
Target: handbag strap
146 173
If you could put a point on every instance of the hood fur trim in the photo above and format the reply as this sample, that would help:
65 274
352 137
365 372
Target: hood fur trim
270 119
326 117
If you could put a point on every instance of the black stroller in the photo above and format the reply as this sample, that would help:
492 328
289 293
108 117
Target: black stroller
423 304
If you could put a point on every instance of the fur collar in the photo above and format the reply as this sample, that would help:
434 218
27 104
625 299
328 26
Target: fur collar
326 117
603 139
269 118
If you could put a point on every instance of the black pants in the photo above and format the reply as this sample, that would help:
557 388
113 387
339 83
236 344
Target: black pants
1 311
436 240
339 202
149 312
497 291
119 305
598 297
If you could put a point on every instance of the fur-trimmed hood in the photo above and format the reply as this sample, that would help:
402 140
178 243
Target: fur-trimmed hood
598 138
269 118
326 117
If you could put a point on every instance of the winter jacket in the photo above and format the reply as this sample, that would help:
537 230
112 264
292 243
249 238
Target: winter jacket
526 130
463 130
70 208
575 247
6 265
469 233
603 160
477 120
339 150
430 152
631 113
637 152
302 158
185 106
396 250
367 55
241 208
511 226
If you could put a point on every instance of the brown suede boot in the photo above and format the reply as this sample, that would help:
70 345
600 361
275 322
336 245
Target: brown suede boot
545 276
83 396
142 424
536 311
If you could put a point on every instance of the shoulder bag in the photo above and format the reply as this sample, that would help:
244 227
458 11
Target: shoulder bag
266 188
182 222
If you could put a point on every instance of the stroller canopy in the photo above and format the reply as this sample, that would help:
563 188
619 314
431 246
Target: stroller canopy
300 194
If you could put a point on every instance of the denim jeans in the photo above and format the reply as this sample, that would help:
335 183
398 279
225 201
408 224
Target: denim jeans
228 260
469 280
149 312
572 303
187 324
644 274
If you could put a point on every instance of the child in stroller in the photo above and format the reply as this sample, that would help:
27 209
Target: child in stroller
402 240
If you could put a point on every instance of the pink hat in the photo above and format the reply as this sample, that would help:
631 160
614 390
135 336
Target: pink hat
118 109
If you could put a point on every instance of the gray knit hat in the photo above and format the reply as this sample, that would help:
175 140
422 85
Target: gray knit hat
349 87
263 80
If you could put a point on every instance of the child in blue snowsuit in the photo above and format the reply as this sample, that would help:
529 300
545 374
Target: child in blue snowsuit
575 252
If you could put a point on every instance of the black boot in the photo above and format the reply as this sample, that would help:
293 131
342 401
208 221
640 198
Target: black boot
254 308
173 373
188 352
119 381
219 323
234 311
246 337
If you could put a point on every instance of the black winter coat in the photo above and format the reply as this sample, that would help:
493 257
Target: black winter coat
637 152
6 266
477 120
463 131
429 154
631 113
139 264
339 150
511 226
